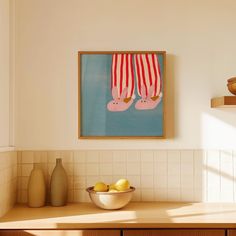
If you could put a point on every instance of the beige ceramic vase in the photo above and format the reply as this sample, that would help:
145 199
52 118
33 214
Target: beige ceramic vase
36 187
59 185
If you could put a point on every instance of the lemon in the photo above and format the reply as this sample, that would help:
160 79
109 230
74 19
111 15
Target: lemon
112 186
100 187
122 185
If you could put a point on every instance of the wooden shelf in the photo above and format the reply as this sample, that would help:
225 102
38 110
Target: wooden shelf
223 102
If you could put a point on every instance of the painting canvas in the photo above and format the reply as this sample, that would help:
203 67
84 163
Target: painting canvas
121 94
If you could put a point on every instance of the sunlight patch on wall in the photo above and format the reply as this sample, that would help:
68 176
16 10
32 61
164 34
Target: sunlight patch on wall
216 133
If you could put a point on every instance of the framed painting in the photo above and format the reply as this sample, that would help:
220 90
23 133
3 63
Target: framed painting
121 94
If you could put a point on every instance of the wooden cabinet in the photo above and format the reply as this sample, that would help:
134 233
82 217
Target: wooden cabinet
231 232
174 232
60 232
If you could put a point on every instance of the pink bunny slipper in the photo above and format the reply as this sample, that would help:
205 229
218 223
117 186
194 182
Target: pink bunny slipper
119 103
147 102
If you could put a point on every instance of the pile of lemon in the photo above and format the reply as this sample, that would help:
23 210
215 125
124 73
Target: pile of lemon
120 185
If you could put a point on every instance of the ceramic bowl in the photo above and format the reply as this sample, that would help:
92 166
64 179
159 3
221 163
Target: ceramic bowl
232 85
110 200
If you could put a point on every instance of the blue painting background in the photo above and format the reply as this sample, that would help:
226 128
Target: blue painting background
96 93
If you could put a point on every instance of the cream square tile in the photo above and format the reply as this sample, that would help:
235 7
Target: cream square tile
92 180
226 168
107 179
79 169
161 181
70 182
146 156
187 168
187 194
92 157
37 157
133 168
50 168
69 168
24 197
70 197
199 182
147 194
79 182
173 194
226 156
79 156
173 156
200 159
52 156
147 181
173 181
119 168
117 177
199 195
79 195
92 169
147 168
18 182
26 169
186 156
187 181
119 156
24 182
134 180
44 156
18 197
105 169
19 154
213 159
160 168
174 168
133 156
14 171
27 157
67 156
136 195
213 194
213 179
227 193
160 194
160 156
105 156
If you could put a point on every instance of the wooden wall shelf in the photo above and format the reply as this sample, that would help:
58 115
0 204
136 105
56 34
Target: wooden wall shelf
223 102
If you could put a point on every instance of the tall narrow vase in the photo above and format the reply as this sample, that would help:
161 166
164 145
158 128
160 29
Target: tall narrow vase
36 187
59 185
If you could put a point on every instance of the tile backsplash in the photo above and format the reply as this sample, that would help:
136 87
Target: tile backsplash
8 180
160 175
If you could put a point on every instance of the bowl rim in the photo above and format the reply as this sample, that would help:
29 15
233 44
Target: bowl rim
90 190
232 80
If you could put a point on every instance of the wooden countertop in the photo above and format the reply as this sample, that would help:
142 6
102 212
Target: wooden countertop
134 215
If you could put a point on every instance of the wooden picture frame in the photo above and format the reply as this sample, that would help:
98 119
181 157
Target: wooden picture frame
121 94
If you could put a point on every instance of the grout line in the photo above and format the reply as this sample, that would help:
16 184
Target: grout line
167 170
220 173
233 171
206 176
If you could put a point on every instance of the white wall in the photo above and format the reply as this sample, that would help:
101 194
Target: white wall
199 37
4 72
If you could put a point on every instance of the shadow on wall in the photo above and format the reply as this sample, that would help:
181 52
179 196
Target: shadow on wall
170 95
220 176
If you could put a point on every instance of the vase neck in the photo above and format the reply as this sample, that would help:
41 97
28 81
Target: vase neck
58 161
